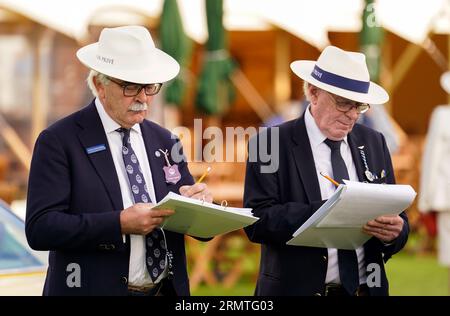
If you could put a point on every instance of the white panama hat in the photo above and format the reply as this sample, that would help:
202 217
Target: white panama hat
342 73
128 53
445 81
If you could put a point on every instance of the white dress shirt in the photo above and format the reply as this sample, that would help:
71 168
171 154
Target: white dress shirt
138 274
322 160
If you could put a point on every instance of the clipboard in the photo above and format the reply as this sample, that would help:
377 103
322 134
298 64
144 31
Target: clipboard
203 219
338 222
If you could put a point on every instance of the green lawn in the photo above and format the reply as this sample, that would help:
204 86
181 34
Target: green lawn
416 275
408 275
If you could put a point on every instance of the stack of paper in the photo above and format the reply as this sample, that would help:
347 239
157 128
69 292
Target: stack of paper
338 223
202 219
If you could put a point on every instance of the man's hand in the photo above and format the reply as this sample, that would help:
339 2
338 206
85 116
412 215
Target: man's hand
197 191
139 219
386 228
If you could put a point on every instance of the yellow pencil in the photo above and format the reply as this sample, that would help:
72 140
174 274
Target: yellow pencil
204 175
329 179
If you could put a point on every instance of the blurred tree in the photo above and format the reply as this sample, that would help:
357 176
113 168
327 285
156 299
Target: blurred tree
215 89
175 42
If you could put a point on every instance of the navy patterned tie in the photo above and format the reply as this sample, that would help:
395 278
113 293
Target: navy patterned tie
347 259
154 241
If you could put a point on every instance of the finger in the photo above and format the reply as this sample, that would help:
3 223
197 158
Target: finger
209 197
395 228
370 230
388 227
385 227
183 189
193 189
374 224
382 235
366 230
161 213
200 196
376 230
386 219
387 235
157 221
143 206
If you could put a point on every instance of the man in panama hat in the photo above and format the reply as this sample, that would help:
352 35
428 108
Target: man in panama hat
96 174
327 139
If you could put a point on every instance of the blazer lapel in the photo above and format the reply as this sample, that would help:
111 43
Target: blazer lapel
354 143
152 145
93 134
304 160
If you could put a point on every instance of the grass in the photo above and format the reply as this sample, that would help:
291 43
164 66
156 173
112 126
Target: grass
416 275
241 289
408 275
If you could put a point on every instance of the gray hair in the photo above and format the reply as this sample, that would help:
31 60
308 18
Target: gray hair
306 90
102 78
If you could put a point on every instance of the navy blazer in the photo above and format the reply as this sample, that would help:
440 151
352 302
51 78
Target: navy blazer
284 200
74 203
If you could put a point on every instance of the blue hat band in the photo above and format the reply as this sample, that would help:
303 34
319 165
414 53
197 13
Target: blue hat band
339 81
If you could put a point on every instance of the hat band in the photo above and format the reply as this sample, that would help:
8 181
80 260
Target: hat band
339 81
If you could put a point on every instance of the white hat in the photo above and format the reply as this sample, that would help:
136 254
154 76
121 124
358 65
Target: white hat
129 54
342 73
445 81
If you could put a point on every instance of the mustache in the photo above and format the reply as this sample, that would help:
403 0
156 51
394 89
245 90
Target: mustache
138 106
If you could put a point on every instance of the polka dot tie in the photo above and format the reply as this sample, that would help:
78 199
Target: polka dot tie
155 243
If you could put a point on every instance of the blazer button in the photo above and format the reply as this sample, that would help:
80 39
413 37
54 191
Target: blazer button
317 294
324 258
124 280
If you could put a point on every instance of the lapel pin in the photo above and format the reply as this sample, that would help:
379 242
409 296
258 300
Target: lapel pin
369 175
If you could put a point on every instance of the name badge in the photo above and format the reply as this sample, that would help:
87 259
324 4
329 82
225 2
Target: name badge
171 173
95 149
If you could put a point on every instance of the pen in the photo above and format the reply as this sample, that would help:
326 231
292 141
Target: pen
204 175
329 179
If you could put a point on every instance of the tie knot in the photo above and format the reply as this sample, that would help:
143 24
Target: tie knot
333 144
123 131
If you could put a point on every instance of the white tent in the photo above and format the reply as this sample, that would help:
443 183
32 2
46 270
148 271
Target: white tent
306 19
300 17
414 19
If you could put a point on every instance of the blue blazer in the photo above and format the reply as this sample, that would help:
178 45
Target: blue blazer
284 200
74 202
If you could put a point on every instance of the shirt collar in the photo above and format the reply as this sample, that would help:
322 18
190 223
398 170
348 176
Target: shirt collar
315 135
108 123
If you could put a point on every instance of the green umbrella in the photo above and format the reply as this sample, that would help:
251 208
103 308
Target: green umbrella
174 42
370 40
215 89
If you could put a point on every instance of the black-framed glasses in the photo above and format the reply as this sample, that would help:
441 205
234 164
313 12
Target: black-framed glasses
345 105
133 89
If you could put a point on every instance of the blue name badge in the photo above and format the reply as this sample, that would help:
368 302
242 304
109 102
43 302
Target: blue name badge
95 149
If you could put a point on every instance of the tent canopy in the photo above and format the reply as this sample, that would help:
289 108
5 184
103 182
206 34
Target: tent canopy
307 19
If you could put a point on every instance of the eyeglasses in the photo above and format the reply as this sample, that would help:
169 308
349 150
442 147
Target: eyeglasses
345 105
133 89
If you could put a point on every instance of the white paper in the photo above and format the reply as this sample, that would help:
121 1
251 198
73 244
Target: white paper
338 223
361 202
202 219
